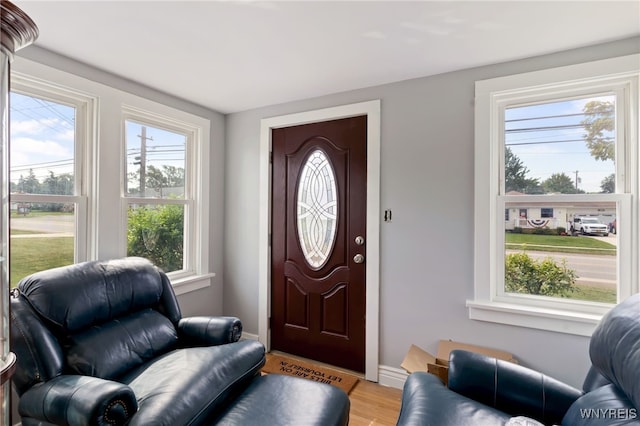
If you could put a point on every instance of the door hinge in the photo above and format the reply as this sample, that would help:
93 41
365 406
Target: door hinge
271 157
270 239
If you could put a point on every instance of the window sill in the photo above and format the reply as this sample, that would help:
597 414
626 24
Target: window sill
191 283
561 321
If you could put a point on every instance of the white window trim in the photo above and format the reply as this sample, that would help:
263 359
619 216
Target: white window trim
489 304
103 154
86 107
194 275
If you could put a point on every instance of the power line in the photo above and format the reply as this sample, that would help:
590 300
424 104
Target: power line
550 142
68 160
556 116
50 106
544 128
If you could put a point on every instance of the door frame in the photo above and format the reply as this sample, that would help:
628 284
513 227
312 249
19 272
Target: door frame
372 110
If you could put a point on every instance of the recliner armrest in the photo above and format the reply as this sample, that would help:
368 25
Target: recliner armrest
79 400
509 387
208 331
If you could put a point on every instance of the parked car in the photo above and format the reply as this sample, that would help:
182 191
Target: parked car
613 226
588 226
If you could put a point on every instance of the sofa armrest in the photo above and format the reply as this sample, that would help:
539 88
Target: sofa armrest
79 400
427 401
209 331
509 387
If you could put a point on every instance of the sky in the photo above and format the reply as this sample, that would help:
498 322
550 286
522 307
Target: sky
42 139
553 146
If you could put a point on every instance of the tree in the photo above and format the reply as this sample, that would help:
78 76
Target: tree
544 277
30 184
58 185
515 175
608 184
167 177
599 121
175 176
560 183
156 179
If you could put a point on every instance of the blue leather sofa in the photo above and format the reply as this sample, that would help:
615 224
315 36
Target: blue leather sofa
486 391
104 343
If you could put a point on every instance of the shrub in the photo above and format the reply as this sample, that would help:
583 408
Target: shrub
156 232
539 231
524 274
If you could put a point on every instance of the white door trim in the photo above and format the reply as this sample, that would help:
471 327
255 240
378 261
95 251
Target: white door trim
372 110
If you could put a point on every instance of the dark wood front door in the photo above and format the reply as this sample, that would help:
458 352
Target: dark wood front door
318 252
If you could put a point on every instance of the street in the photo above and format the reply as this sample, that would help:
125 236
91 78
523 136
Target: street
49 224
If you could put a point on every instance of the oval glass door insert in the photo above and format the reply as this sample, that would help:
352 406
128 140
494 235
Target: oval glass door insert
317 209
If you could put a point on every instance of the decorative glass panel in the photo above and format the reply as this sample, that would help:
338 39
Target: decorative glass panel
317 209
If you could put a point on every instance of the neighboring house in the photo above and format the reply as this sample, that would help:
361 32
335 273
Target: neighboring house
528 217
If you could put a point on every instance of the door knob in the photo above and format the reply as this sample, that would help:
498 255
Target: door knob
358 258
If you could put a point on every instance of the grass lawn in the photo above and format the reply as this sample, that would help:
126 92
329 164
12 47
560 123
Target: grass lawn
557 243
594 294
29 255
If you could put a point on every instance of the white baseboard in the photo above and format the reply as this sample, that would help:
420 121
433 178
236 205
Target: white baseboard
391 376
249 336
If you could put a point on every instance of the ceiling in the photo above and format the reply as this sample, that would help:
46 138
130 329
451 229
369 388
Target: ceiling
232 56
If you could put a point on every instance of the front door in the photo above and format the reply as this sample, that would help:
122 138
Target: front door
318 249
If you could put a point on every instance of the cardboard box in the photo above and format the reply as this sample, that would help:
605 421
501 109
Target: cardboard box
417 359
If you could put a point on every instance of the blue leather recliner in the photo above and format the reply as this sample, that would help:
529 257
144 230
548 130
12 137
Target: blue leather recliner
486 391
104 343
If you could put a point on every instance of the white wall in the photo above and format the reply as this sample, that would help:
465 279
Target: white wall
427 180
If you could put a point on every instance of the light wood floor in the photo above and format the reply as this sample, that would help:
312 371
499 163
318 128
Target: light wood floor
372 404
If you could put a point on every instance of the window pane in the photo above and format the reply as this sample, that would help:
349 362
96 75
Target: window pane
42 237
565 147
42 161
156 232
155 162
571 254
42 146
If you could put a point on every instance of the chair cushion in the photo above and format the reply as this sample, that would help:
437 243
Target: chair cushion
186 386
276 399
79 296
615 347
113 348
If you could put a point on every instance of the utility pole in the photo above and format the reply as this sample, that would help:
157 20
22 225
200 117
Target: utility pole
577 179
143 160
